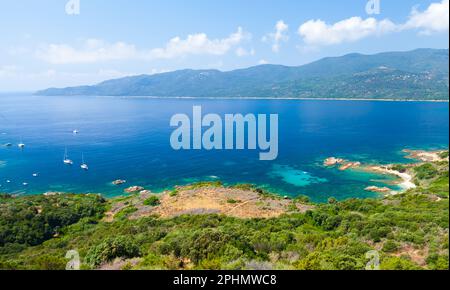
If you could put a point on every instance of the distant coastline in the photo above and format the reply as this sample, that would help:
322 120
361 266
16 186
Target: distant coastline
268 98
416 74
230 98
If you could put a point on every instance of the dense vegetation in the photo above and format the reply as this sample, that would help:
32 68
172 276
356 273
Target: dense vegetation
409 231
35 219
418 74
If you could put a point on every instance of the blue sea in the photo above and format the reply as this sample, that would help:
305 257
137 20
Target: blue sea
129 138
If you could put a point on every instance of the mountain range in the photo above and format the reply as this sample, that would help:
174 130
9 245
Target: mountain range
421 74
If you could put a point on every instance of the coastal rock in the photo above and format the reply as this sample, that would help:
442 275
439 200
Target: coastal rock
425 156
333 161
349 165
134 189
119 182
378 189
145 192
345 164
52 193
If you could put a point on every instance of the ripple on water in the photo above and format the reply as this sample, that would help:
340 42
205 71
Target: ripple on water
294 176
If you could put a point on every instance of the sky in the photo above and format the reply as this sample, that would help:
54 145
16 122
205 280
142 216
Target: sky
59 43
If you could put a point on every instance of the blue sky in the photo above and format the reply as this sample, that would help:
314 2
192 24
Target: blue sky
43 46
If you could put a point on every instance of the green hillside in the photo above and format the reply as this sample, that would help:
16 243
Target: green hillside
416 75
408 231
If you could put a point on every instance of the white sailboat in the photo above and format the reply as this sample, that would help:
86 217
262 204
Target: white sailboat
66 160
83 165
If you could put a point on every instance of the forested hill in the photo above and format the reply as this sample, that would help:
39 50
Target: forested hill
420 74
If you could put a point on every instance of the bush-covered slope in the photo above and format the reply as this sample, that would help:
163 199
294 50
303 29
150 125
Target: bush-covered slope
409 231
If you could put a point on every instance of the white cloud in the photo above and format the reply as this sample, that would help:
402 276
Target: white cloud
197 44
240 51
317 32
263 61
280 35
95 50
434 19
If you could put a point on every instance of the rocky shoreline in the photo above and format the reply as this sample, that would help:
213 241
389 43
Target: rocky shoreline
404 178
427 156
343 164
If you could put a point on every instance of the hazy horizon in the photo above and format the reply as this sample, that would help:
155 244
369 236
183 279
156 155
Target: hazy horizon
275 64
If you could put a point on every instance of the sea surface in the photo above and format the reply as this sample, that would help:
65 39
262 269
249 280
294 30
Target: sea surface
129 138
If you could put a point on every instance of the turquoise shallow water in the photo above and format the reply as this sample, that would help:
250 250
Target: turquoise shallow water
294 176
129 139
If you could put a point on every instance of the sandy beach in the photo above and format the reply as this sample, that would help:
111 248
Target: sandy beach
406 178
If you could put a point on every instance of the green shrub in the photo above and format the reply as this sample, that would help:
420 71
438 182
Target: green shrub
232 201
173 193
438 262
426 171
444 154
398 263
332 200
244 186
152 201
204 184
390 246
400 168
111 248
50 262
125 212
303 199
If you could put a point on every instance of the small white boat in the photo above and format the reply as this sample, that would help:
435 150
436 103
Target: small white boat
21 145
35 174
25 184
75 132
83 165
66 159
